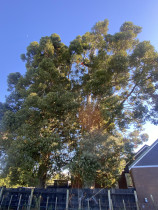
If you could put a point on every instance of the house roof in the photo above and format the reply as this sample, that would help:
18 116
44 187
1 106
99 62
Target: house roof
141 151
147 157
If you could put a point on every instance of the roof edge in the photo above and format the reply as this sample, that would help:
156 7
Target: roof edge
145 153
142 149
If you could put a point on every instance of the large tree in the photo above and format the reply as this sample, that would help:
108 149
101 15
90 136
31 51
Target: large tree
75 105
40 120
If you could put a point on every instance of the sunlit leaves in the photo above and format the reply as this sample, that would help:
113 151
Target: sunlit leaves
99 84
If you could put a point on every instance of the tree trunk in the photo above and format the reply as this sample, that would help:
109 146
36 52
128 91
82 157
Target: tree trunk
42 175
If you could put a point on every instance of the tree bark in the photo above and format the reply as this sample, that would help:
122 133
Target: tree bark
42 175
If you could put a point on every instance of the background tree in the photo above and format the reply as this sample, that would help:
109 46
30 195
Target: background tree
117 77
75 104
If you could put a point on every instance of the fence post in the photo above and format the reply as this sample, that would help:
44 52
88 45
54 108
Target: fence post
124 206
19 201
111 205
99 205
56 203
47 202
88 204
39 202
109 198
10 202
30 200
1 192
136 199
1 201
79 205
67 199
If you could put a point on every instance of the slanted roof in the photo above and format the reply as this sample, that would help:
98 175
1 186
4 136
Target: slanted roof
141 151
149 158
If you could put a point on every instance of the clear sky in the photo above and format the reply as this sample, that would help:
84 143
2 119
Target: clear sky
24 21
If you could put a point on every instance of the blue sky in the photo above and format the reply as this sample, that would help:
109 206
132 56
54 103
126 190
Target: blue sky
24 21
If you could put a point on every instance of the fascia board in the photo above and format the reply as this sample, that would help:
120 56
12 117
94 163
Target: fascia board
145 153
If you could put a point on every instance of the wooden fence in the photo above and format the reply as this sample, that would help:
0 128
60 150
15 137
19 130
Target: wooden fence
67 199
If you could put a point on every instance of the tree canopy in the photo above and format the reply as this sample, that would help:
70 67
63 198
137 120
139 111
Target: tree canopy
75 104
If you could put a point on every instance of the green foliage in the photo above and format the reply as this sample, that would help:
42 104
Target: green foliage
101 27
98 159
75 104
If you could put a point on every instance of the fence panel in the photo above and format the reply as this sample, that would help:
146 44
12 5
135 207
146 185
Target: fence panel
66 199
